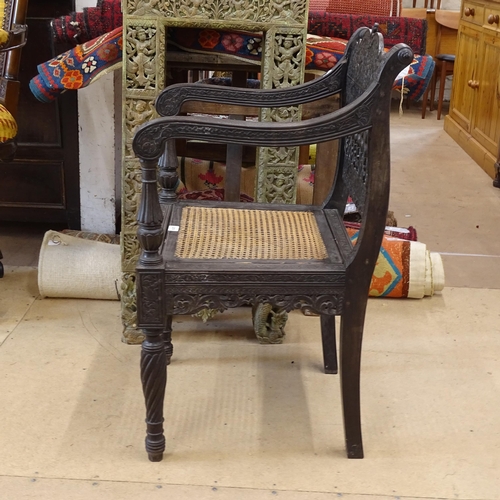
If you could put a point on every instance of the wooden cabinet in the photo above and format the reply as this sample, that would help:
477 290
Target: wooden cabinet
465 70
486 125
474 119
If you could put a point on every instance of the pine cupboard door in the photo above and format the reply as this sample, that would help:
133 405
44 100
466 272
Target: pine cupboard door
465 72
486 125
42 183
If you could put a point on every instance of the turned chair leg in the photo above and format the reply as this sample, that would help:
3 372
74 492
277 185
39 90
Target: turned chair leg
167 339
329 343
351 336
154 379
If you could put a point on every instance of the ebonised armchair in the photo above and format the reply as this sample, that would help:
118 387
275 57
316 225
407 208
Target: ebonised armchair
197 255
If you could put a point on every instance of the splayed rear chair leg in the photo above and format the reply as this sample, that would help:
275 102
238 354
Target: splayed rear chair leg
351 336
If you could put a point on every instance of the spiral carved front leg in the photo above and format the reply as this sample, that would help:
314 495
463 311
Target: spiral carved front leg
154 380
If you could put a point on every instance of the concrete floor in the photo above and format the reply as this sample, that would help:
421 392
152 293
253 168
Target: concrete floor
245 421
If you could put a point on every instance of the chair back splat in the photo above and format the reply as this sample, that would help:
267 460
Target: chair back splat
199 255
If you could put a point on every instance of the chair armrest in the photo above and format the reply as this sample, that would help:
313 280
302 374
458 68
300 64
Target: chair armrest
149 139
171 99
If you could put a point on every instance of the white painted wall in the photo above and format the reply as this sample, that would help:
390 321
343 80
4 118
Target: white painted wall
96 110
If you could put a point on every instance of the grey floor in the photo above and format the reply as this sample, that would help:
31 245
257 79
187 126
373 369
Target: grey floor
245 421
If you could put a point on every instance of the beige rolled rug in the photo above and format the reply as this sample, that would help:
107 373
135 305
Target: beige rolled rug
72 267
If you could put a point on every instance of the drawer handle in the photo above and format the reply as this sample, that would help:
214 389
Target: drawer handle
493 19
469 11
473 84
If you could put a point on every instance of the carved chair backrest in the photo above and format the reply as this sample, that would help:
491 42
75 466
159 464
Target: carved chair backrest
363 164
363 54
12 20
363 168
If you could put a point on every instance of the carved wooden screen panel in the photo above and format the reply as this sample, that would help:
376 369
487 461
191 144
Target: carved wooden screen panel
284 23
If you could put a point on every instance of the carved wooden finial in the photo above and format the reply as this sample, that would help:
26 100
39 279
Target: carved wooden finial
168 176
150 216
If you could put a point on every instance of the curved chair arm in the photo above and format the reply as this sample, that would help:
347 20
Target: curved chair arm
171 99
150 138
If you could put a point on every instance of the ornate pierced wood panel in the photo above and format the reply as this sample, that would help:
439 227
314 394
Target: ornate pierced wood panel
284 23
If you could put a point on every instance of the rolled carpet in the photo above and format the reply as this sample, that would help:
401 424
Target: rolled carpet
73 267
405 268
78 67
80 27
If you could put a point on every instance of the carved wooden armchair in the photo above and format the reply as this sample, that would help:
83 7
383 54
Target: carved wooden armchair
12 39
197 255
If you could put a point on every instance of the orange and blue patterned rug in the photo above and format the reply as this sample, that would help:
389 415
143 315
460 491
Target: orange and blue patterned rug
78 67
404 269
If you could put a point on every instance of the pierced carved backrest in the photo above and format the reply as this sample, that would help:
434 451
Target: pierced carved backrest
364 54
145 25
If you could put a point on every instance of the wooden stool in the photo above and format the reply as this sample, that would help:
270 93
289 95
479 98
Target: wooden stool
445 19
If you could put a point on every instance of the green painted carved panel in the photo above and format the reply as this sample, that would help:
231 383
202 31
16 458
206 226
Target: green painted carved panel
284 23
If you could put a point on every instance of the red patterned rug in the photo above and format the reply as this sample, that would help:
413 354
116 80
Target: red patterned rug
322 52
411 31
80 27
379 7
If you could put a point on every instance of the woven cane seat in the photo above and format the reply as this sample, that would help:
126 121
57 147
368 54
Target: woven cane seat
224 233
